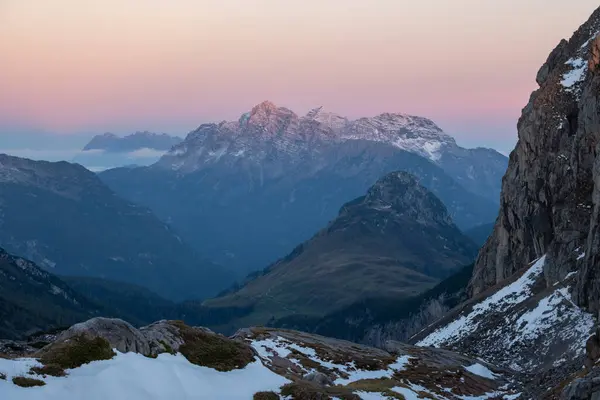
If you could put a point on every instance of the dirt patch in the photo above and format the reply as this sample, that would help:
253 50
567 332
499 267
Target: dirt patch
383 386
51 369
265 396
302 390
75 352
458 380
27 382
212 350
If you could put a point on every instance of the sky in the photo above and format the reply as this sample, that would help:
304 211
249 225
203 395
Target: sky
78 67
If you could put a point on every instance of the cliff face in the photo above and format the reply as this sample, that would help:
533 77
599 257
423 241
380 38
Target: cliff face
551 191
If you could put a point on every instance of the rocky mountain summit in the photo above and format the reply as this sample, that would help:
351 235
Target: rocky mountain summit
397 240
277 135
111 143
107 358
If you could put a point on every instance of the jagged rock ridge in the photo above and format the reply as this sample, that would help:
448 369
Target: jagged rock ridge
274 133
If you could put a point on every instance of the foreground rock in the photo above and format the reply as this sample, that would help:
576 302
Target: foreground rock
336 368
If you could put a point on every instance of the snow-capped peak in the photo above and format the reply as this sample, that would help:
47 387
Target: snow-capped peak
411 133
267 130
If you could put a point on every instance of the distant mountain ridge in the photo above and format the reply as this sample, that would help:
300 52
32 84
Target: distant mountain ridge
112 143
269 131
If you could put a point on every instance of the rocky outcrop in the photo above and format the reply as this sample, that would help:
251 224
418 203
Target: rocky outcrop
548 204
121 335
399 368
199 345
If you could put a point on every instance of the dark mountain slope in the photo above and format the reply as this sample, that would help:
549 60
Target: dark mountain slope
64 218
32 299
240 216
375 320
398 240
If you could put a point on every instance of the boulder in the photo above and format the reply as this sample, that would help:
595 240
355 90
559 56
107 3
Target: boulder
121 335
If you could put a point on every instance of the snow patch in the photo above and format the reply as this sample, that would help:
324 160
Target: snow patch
508 296
135 377
576 74
482 371
347 373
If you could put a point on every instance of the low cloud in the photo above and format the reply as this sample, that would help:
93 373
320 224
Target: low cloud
145 153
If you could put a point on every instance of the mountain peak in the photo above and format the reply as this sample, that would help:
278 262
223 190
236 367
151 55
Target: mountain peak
265 106
268 118
400 192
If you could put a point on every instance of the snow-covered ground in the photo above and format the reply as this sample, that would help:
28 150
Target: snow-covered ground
132 376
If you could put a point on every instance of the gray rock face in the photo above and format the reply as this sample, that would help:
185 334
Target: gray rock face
162 336
586 388
548 204
318 378
120 334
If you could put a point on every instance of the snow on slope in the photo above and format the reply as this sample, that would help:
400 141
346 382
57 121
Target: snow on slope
132 376
406 370
347 373
269 133
512 294
524 325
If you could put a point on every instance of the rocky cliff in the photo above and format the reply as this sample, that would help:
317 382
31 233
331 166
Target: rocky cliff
550 193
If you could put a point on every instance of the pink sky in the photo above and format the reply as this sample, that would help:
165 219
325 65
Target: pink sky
84 65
